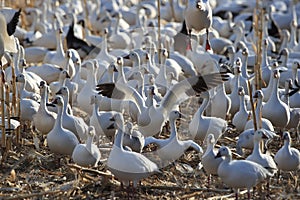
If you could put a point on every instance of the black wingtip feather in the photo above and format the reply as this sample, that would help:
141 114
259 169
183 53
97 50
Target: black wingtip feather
12 25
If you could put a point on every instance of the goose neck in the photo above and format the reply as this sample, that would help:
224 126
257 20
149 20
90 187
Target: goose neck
65 107
244 66
242 103
173 129
203 107
119 139
274 95
294 75
59 47
58 121
256 148
89 143
265 62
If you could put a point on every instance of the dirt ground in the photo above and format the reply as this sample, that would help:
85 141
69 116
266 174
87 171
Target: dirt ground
31 173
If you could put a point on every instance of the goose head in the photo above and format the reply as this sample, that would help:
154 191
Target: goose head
63 75
91 131
223 151
210 139
64 91
237 70
295 65
175 115
241 91
58 100
258 94
276 74
245 51
151 90
259 135
129 127
286 137
120 62
118 119
20 78
112 68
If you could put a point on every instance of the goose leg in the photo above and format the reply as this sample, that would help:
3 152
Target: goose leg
207 46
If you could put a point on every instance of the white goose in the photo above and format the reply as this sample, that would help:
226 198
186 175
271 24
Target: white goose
172 148
44 119
126 165
240 173
201 125
198 16
21 80
280 116
209 160
133 138
101 121
241 117
88 89
69 121
257 156
88 154
287 158
59 139
261 122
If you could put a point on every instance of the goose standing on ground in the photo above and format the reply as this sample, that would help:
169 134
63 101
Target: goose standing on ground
69 121
101 121
88 154
257 156
172 148
240 173
59 139
202 125
287 158
260 121
241 117
133 138
198 16
88 89
44 119
209 160
126 165
280 116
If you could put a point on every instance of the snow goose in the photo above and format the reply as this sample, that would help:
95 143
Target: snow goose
172 148
118 39
88 89
198 16
209 160
133 138
101 121
88 154
232 172
151 119
59 139
201 125
257 156
44 119
69 121
126 165
103 55
181 40
234 97
56 85
219 104
287 158
280 116
21 80
56 57
261 122
77 77
241 117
